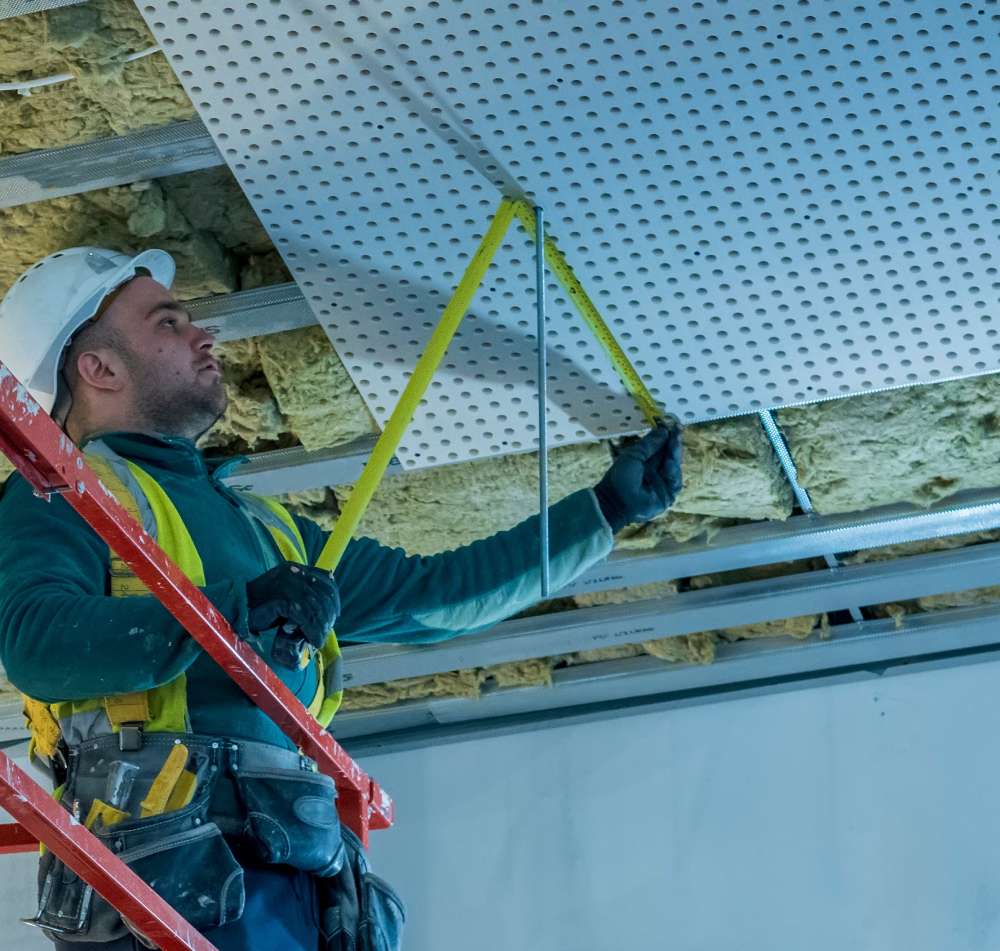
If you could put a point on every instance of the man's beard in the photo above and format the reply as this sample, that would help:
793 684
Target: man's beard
173 409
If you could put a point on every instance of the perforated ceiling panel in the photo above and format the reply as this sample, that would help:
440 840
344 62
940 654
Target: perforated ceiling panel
771 203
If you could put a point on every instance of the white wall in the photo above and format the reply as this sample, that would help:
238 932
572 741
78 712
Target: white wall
17 891
861 817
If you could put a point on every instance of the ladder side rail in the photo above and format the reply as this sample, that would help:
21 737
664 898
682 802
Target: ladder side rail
53 464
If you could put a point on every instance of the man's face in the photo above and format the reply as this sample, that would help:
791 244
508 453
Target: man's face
174 379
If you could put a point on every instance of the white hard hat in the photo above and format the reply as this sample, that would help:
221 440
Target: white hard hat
53 299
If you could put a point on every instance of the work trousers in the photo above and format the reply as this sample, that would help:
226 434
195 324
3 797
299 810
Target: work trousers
281 912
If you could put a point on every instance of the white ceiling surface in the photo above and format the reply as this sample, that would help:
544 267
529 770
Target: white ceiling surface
770 203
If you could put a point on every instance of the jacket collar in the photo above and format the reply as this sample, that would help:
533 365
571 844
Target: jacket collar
174 454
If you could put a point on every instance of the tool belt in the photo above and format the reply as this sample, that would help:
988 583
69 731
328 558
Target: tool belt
183 812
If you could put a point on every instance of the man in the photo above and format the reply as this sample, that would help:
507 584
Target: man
102 343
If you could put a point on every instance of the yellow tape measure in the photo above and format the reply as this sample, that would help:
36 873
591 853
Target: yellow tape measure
392 435
370 479
560 267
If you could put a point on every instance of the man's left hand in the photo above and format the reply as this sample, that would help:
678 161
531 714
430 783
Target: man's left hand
645 478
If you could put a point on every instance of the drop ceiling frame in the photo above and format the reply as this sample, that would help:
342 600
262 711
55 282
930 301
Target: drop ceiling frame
579 694
689 612
186 146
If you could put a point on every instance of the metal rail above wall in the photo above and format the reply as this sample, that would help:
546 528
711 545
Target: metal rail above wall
640 684
690 612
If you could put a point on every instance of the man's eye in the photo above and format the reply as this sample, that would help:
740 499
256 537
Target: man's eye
169 322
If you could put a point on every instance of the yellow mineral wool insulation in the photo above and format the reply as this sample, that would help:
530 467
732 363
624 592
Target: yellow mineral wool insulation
677 527
918 444
316 504
519 673
799 627
688 648
683 649
130 219
959 599
694 648
312 388
459 683
639 592
599 654
109 96
212 200
433 510
889 552
262 270
938 602
252 418
730 471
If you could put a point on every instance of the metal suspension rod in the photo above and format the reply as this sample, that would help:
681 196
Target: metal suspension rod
543 436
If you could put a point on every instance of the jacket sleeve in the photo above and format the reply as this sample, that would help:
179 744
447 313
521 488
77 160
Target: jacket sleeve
389 596
61 636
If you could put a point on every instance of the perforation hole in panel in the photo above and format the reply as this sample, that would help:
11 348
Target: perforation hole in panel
770 203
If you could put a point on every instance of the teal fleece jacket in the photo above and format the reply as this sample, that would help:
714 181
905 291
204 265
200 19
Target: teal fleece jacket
62 637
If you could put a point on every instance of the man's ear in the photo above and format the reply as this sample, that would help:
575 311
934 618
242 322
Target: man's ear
102 368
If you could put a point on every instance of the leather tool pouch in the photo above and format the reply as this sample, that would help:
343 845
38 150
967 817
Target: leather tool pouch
358 910
181 854
291 819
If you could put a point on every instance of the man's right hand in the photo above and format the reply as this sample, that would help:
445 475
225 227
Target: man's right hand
296 596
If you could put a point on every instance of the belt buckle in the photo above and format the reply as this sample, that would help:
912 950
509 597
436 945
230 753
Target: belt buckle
130 737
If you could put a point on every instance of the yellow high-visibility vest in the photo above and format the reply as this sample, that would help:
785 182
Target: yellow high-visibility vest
164 709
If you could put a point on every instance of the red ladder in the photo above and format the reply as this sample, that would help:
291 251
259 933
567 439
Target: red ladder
50 461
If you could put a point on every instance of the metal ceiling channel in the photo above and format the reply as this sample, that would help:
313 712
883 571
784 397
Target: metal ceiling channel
772 204
118 160
873 649
640 684
730 606
19 8
254 313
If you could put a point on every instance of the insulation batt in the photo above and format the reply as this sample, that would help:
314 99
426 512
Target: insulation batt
432 510
108 97
312 388
935 602
917 445
456 683
128 218
253 419
688 648
798 627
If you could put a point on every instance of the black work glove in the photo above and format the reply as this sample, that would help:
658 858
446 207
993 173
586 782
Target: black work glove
645 478
300 597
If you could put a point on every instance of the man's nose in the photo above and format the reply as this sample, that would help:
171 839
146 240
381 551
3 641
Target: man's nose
202 340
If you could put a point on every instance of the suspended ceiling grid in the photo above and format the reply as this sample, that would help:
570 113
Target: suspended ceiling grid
771 204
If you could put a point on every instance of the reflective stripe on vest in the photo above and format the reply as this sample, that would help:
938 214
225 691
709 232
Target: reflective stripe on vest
164 708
